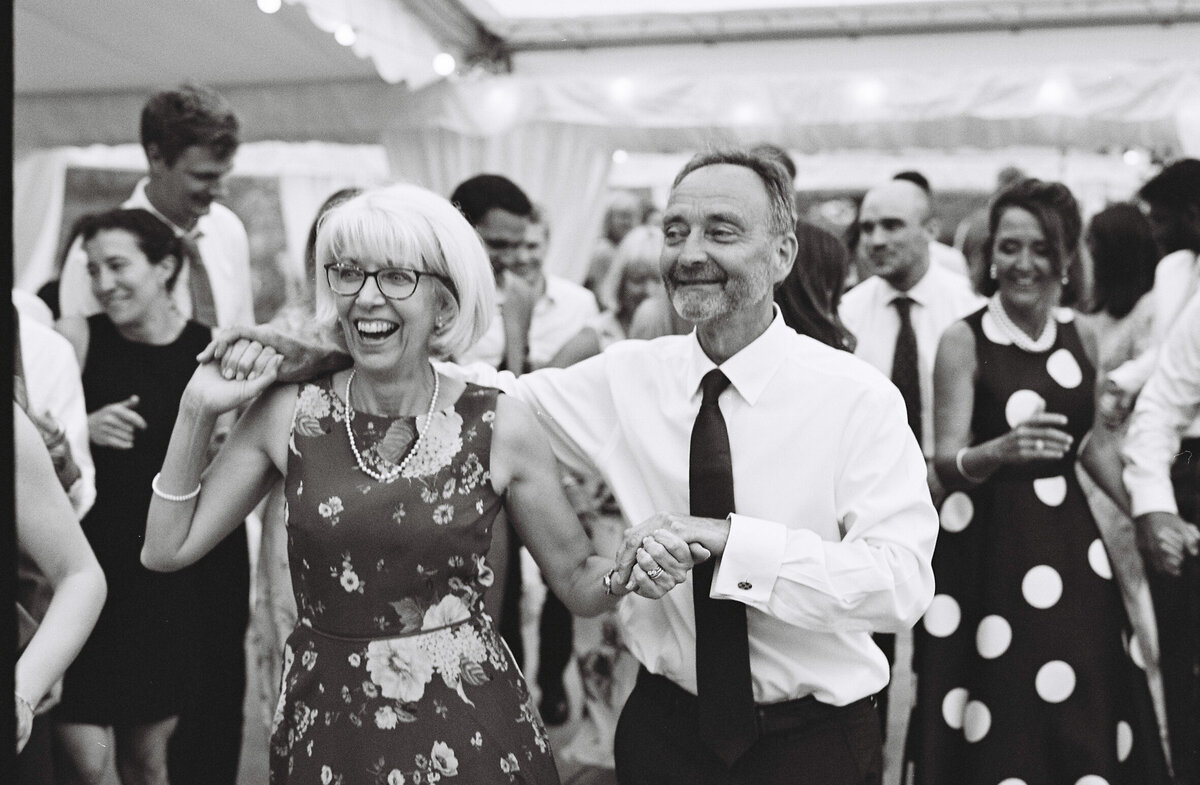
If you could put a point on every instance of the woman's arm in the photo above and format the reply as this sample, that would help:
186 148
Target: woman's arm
523 466
955 372
958 463
584 344
48 531
181 529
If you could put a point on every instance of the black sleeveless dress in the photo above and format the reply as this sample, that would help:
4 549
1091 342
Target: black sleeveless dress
394 672
1027 672
136 663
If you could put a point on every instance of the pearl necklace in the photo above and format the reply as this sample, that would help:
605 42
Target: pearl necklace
1018 336
396 472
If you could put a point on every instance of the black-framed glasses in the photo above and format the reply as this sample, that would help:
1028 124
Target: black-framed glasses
395 283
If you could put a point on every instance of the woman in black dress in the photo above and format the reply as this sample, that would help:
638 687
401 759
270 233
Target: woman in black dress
127 685
1027 672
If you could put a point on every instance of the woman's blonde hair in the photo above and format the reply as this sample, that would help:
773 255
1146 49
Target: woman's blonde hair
410 226
642 244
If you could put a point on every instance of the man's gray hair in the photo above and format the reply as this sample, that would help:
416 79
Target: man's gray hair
774 178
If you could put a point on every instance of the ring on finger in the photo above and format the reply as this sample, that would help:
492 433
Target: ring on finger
652 574
1039 445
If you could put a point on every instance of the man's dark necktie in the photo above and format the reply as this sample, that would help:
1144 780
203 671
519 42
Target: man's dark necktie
204 308
726 699
905 373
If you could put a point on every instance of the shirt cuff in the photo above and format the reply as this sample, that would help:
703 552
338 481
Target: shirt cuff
1159 497
753 557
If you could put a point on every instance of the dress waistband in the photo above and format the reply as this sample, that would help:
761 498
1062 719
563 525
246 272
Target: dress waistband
382 635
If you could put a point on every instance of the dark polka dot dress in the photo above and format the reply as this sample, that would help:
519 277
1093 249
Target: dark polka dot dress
1027 671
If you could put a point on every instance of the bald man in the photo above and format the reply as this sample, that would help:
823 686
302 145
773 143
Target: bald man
896 227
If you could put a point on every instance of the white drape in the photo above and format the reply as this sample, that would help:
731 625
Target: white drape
564 168
307 173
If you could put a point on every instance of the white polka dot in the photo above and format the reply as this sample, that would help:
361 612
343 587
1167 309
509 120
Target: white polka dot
1042 586
957 511
1064 315
952 707
1098 558
1051 490
1022 405
943 616
992 637
1091 779
1055 681
1064 369
993 331
977 721
1135 651
1124 740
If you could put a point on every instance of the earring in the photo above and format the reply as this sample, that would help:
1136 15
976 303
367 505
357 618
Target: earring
437 325
1065 280
992 272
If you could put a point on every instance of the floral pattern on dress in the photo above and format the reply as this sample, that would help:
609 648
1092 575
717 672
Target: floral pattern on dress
395 673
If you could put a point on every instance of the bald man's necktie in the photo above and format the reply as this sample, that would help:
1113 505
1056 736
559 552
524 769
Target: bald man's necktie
905 373
204 307
725 696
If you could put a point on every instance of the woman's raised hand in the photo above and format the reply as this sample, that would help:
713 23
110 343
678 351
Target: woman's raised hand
1040 438
209 389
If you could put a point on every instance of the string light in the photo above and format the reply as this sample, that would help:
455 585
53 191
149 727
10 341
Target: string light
1054 92
269 6
868 92
345 35
620 156
444 64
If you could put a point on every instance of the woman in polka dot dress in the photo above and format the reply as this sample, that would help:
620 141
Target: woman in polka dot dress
1027 673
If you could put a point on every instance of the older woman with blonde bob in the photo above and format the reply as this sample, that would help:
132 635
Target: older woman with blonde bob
393 477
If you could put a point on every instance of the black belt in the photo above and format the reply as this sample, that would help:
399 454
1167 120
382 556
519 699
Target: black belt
772 717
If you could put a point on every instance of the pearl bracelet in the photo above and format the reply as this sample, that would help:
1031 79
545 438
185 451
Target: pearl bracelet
172 497
958 463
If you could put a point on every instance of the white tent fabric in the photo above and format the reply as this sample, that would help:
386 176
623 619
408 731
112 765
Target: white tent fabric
307 174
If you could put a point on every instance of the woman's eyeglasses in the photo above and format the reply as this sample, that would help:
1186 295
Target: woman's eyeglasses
395 283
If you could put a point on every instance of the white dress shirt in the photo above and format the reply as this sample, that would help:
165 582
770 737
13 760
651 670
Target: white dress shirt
1168 403
940 298
562 310
948 258
223 245
1176 279
55 386
834 531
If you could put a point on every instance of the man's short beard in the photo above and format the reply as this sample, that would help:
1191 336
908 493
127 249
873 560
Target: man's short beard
698 307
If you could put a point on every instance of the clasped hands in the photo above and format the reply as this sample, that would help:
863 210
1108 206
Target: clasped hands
655 556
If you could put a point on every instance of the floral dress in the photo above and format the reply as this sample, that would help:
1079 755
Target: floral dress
394 673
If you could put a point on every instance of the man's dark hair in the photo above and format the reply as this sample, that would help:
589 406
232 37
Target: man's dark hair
1123 258
476 196
774 178
1177 185
188 116
776 154
155 238
917 179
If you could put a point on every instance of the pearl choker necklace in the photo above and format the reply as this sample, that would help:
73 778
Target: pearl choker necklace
398 470
1018 336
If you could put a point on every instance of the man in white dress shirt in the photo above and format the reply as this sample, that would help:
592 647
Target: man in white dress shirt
896 231
833 534
190 136
1162 475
